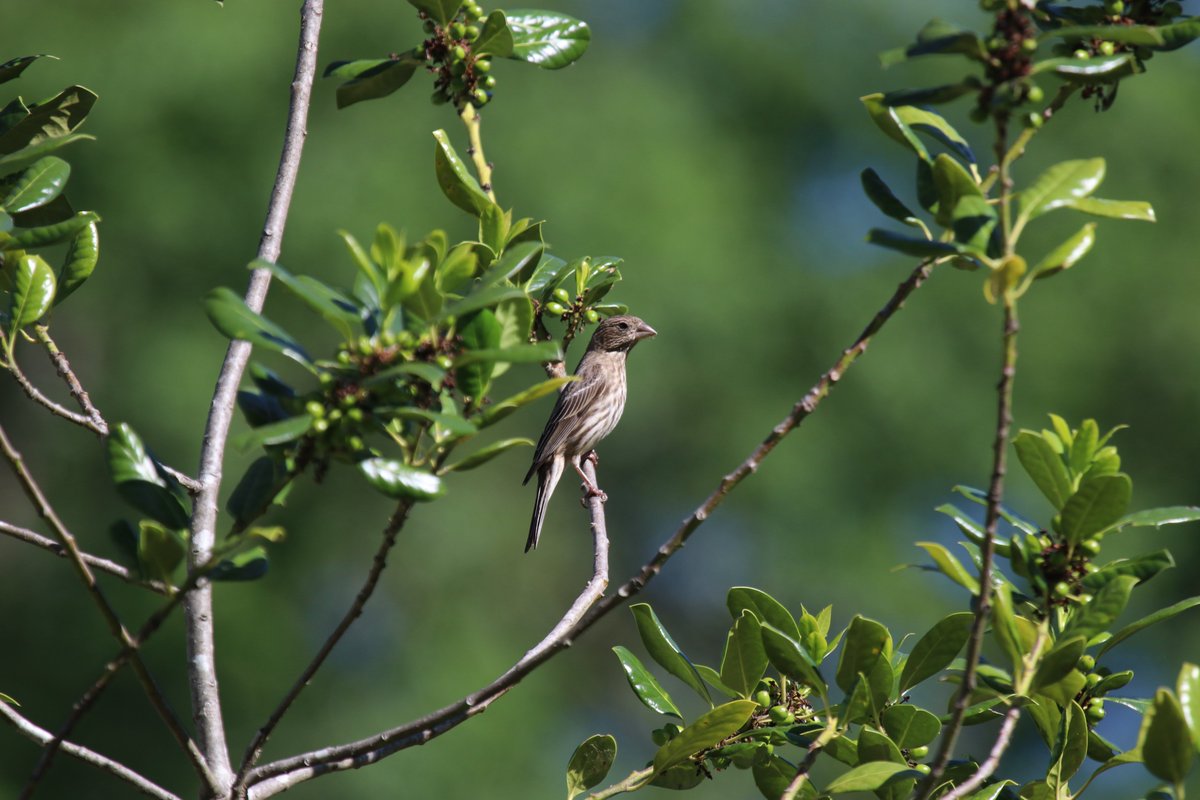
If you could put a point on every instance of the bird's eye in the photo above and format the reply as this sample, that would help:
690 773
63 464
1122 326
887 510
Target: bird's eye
624 326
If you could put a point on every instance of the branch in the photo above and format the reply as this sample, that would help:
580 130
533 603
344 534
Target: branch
962 699
102 564
63 367
67 540
993 760
254 751
54 408
202 672
271 779
42 737
797 783
472 119
588 608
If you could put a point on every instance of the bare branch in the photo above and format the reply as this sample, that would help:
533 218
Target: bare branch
63 367
67 540
277 776
202 672
34 394
102 564
390 532
42 737
993 760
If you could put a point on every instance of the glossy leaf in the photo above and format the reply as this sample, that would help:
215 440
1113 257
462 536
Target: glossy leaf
494 37
499 410
1125 34
1165 741
485 454
881 195
159 550
33 288
430 373
517 260
745 659
51 118
80 261
645 685
232 317
664 651
484 298
1114 209
1157 517
910 726
713 679
866 642
1070 746
1059 662
939 37
248 565
719 723
869 777
934 126
480 331
911 245
27 155
932 95
1004 625
953 184
263 480
992 791
764 606
41 182
440 11
276 432
1143 567
681 777
1188 689
457 182
139 480
338 310
547 39
887 118
520 354
370 79
398 480
1044 465
590 763
950 566
1148 620
1067 254
1060 185
774 776
1102 611
55 233
788 656
875 746
934 651
1098 503
12 69
1098 69
1180 33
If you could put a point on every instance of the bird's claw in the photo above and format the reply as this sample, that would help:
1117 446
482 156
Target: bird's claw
592 491
593 457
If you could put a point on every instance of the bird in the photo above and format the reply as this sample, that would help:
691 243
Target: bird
586 411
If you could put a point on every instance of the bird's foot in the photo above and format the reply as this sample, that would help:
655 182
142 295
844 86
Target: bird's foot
591 490
593 457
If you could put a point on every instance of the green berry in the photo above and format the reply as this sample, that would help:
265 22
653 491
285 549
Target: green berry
1107 48
321 425
593 317
1090 546
483 65
555 308
458 53
356 415
1093 678
762 697
1095 710
562 294
355 443
1034 120
419 52
924 769
1086 663
1083 55
458 30
472 32
343 357
778 714
315 409
1029 45
1035 94
489 81
1062 589
659 736
1084 599
1114 6
458 68
445 362
918 752
480 97
325 379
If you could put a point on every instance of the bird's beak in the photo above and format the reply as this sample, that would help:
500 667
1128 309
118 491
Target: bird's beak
644 331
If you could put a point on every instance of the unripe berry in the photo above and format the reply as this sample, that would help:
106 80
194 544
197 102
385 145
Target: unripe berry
321 425
555 308
480 97
1107 48
593 317
458 53
1095 711
763 698
1093 678
483 65
489 81
315 409
445 362
355 443
1035 94
659 736
1086 663
1082 54
1090 546
1062 589
924 769
778 714
918 752
356 414
472 32
458 30
562 294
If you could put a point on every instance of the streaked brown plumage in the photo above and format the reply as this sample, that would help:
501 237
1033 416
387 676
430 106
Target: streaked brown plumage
587 410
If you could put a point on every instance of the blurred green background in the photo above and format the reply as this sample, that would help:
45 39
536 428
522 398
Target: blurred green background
715 146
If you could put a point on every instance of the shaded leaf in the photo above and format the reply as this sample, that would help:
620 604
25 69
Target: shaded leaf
590 763
1165 741
248 565
458 184
1148 620
159 550
910 726
1102 611
282 431
139 480
645 685
869 777
745 659
865 643
662 649
934 651
338 310
370 79
1059 662
232 317
719 723
80 261
263 480
911 245
877 192
764 606
950 566
788 656
1070 746
499 410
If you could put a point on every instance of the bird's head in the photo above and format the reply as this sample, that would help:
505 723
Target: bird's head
620 333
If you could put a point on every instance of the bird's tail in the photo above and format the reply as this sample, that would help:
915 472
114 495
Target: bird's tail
548 477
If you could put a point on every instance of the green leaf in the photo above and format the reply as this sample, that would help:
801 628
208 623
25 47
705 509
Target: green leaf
338 310
282 431
932 95
681 777
518 259
458 184
875 746
51 118
713 679
1059 662
370 79
547 39
248 565
79 262
1004 624
745 659
939 37
1157 517
11 70
1179 33
1044 465
27 155
430 373
910 726
1098 69
1188 689
1067 254
1102 611
645 686
1059 186
1099 502
232 317
1144 35
953 184
139 480
160 551
40 183
262 482
485 454
520 354
888 119
662 649
764 606
365 265
869 777
484 298
992 791
452 425
789 657
719 723
440 11
881 195
950 566
1165 741
866 642
774 776
33 288
45 235
1143 567
1148 620
1114 209
398 480
480 331
1070 746
934 651
590 763
911 245
494 37
499 410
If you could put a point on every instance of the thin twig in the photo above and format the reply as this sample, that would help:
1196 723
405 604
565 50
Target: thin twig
96 562
962 699
34 394
42 736
1003 738
379 563
797 783
67 540
630 783
202 671
63 367
277 776
271 779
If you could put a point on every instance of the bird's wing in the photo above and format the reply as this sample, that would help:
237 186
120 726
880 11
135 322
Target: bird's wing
573 402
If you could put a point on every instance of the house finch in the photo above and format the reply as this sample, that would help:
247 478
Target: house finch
587 410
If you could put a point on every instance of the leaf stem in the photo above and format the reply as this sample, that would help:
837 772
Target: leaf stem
631 783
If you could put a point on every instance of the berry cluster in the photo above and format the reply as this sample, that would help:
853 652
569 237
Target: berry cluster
1064 570
462 76
571 311
1010 60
